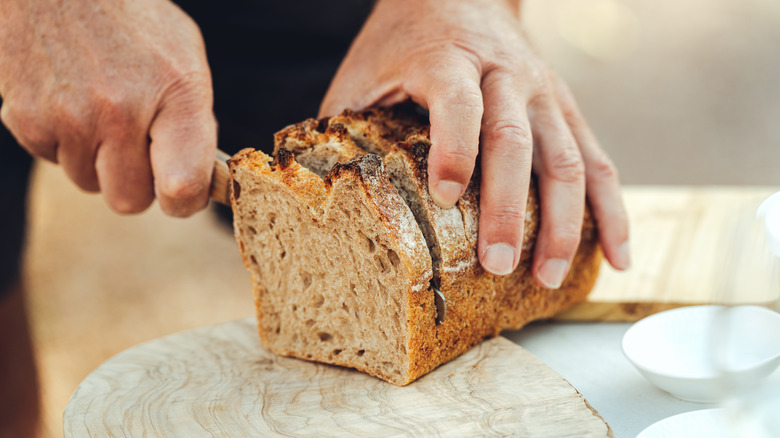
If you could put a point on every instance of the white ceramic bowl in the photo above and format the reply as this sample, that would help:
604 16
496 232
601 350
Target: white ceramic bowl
769 210
710 423
705 353
754 421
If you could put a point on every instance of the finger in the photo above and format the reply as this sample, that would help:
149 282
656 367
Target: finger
450 88
560 170
506 171
601 182
77 148
124 172
183 146
77 158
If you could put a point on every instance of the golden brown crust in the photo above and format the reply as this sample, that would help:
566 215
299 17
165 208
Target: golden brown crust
377 130
479 304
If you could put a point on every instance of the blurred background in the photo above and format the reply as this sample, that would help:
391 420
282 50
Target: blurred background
679 92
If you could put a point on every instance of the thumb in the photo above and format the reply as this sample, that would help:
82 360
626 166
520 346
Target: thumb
342 94
356 89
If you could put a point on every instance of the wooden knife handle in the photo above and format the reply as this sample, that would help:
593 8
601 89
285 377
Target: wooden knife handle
220 179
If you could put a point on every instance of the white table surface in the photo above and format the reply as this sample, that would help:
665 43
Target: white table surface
589 356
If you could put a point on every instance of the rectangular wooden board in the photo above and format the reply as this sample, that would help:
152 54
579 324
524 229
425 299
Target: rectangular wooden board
690 245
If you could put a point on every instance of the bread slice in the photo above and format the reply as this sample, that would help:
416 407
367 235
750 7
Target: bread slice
369 233
339 267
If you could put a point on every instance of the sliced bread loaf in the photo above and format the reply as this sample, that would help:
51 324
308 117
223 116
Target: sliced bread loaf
344 265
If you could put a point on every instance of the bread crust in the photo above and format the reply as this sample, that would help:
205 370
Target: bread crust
479 304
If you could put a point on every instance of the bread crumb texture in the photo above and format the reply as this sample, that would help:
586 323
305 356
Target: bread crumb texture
344 245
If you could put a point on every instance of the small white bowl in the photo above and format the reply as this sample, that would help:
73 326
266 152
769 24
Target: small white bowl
710 423
705 353
751 420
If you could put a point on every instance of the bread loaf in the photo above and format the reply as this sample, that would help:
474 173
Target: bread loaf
345 246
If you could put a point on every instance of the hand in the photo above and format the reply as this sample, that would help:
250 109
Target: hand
117 92
468 62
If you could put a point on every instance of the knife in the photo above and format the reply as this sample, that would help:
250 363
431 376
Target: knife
220 179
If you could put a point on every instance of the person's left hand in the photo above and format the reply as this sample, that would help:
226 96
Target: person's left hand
468 63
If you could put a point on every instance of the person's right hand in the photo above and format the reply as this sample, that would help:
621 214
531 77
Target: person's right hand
117 92
469 63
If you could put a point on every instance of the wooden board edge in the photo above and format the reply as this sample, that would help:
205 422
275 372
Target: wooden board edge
628 311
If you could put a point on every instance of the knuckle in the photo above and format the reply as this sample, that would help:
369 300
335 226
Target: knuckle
566 165
460 92
456 155
570 114
189 85
6 113
508 134
543 79
542 85
564 240
603 168
68 118
506 214
73 118
111 104
27 126
13 114
114 109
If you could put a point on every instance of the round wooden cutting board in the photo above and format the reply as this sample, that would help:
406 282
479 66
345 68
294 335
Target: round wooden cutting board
220 381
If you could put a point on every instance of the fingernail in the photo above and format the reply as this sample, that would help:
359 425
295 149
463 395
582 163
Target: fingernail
551 273
623 256
499 259
446 193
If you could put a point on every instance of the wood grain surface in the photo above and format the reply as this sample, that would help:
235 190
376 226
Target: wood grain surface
690 245
219 381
